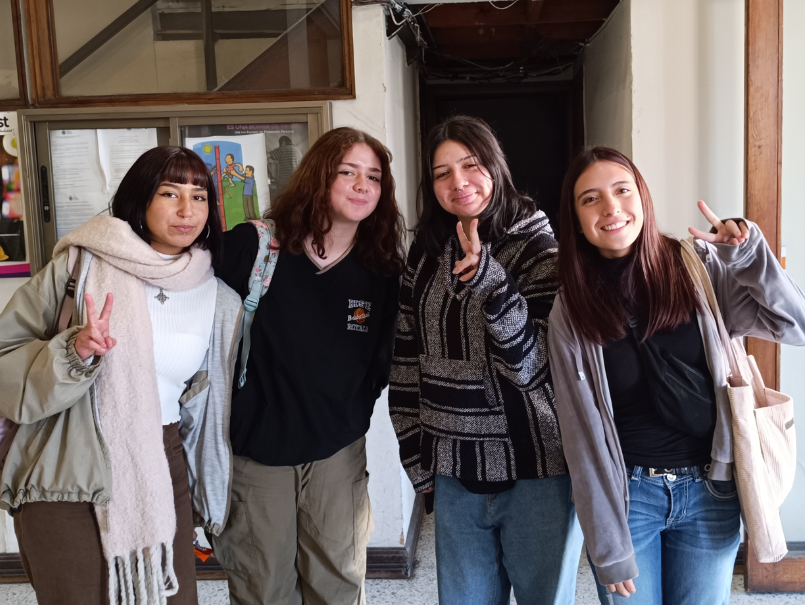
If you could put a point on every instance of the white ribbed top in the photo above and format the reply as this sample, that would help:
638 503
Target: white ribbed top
182 328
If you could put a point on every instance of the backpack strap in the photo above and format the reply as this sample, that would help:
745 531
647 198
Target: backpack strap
263 270
68 304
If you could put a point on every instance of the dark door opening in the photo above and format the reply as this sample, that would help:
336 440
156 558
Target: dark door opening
539 125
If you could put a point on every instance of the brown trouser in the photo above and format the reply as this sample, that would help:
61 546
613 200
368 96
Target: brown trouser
298 533
248 208
61 551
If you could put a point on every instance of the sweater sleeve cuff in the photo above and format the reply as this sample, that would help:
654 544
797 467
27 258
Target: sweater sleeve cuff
76 363
617 572
420 478
489 276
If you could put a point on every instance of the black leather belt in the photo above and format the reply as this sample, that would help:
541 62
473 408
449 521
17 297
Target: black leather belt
673 473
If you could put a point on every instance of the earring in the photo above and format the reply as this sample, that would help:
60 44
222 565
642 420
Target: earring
208 232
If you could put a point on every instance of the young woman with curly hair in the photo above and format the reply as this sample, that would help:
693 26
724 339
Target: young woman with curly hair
321 346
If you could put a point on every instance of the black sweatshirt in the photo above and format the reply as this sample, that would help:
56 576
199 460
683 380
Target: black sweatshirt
645 439
321 346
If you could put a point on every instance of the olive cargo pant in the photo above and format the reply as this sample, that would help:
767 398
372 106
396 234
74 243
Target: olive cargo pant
298 533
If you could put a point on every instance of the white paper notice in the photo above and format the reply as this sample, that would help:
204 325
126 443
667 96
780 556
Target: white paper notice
78 181
119 148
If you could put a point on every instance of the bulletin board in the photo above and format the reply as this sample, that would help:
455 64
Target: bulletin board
72 160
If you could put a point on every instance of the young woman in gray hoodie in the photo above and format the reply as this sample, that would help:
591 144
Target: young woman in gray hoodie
640 382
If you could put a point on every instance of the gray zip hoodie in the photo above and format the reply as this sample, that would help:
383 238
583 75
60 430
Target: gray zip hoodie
756 297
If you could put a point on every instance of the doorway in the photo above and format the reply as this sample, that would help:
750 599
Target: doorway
539 126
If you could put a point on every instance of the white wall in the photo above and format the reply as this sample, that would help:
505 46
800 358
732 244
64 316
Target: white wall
608 84
385 107
402 114
792 359
688 100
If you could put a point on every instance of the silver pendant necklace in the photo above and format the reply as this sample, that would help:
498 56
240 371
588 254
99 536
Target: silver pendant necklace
161 297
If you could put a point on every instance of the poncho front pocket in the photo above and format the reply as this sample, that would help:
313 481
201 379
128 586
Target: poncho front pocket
455 401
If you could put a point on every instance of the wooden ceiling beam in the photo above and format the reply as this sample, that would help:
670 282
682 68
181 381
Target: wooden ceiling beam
533 10
525 11
570 11
498 33
582 30
458 36
507 49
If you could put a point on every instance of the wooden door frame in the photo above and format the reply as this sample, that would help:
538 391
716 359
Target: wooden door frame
763 188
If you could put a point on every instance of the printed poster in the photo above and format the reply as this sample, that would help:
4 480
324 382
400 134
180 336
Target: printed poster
239 169
88 165
12 227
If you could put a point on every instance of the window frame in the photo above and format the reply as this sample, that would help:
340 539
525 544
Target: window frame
40 237
21 101
45 79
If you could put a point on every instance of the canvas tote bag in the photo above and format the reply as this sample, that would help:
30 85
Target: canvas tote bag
764 443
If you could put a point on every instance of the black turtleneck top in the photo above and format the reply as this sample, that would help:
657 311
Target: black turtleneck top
645 439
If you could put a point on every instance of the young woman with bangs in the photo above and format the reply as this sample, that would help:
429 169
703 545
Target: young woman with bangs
640 382
321 346
117 442
471 397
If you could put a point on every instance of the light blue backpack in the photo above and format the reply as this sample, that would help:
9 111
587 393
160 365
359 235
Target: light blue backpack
262 272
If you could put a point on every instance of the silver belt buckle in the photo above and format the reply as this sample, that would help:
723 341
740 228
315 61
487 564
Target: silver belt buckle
653 473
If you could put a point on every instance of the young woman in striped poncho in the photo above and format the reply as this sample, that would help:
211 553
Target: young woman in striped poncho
471 396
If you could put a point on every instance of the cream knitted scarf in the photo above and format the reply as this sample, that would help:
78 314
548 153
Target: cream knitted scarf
138 524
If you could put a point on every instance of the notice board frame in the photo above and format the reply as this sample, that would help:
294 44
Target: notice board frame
35 125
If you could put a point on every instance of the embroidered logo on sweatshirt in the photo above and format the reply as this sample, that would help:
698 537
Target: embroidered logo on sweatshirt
358 314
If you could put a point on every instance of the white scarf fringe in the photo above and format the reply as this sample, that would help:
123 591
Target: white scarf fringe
146 577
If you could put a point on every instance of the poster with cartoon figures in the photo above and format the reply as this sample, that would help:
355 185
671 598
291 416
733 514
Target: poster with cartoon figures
238 168
285 145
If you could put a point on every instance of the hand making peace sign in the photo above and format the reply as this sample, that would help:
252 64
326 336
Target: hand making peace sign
468 265
94 339
728 233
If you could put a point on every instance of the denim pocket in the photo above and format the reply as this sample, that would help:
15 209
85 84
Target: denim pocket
721 490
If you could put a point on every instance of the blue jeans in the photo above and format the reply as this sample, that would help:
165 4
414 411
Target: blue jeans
527 537
685 534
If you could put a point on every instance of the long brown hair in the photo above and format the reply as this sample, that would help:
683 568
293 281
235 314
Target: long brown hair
656 266
303 206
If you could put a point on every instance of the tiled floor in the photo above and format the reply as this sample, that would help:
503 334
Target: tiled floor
421 589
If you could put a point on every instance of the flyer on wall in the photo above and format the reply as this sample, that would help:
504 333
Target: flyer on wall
282 145
12 232
87 167
239 169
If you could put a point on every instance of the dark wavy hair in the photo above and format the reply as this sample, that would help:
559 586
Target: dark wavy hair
507 205
167 165
655 273
303 206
